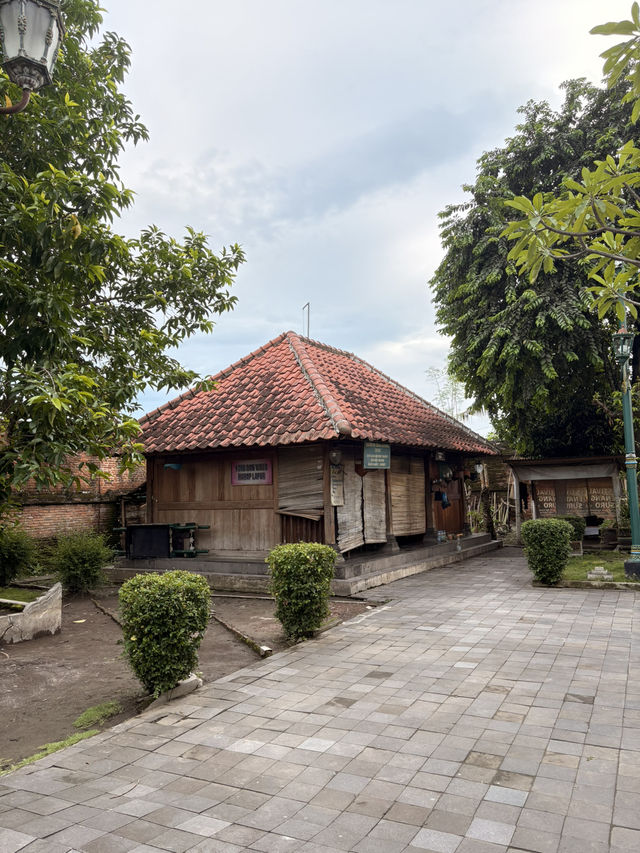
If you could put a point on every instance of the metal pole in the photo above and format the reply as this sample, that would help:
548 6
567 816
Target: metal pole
632 565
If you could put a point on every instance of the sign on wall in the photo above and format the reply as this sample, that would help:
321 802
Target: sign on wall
252 472
376 455
583 497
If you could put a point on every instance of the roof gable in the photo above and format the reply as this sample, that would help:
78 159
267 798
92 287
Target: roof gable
295 390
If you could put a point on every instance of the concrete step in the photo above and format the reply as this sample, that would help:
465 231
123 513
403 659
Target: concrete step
354 585
363 574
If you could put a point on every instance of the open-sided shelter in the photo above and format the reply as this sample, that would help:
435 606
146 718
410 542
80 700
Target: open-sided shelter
300 441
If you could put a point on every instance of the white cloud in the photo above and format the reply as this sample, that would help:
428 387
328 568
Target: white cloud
324 137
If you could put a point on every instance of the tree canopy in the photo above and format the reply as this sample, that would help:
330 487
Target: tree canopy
594 216
536 359
88 318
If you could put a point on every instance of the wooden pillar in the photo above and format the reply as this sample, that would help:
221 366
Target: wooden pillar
151 484
516 495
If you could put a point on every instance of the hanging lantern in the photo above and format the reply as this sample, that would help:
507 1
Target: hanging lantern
31 32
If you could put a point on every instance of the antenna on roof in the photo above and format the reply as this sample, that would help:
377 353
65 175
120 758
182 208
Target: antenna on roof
306 308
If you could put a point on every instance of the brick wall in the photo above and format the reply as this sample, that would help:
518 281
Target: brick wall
95 505
98 488
46 521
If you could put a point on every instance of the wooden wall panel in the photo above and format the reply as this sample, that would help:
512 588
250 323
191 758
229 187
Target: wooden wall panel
350 532
241 518
374 506
408 495
230 530
301 481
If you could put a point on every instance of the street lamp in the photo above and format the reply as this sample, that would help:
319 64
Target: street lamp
31 32
623 346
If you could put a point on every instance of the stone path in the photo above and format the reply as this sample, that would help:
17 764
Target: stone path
471 713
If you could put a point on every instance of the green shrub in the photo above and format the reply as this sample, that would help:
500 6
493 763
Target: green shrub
79 558
547 547
164 617
17 553
300 581
579 525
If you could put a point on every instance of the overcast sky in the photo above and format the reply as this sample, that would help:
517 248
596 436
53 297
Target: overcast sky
325 136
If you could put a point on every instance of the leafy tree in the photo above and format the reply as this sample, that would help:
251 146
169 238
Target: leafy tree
449 393
537 360
87 317
594 216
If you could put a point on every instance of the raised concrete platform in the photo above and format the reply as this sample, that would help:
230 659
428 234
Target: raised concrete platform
351 576
37 618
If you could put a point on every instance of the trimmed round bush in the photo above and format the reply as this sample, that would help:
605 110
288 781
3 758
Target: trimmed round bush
547 545
17 552
164 617
79 559
300 582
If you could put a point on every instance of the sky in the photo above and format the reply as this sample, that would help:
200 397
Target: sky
324 136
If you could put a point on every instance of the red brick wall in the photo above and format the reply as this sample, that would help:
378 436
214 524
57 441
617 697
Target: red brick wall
99 488
95 505
50 520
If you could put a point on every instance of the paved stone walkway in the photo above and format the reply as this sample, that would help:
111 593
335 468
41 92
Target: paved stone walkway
471 713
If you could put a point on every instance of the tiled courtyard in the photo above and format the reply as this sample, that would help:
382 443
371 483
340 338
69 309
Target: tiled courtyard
470 713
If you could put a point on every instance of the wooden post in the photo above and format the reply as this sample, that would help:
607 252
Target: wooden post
151 498
516 496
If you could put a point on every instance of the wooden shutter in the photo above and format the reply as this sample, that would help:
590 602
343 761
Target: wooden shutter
350 532
407 495
300 482
375 507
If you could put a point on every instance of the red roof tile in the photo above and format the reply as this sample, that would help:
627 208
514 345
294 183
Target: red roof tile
294 390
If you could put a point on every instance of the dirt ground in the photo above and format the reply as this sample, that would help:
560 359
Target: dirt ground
48 682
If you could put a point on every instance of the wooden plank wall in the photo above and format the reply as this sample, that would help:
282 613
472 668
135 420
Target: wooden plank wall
241 518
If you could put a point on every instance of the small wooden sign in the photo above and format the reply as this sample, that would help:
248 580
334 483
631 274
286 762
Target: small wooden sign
251 472
376 455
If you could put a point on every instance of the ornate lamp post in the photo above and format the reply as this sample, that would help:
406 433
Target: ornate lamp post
31 32
623 345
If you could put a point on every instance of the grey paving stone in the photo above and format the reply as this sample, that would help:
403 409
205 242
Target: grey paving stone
491 831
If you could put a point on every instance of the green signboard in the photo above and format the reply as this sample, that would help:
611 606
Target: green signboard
376 456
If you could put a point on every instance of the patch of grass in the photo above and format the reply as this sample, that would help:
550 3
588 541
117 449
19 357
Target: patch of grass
48 748
97 715
613 561
18 594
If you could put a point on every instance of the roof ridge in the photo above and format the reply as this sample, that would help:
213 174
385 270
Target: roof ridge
404 389
318 384
171 404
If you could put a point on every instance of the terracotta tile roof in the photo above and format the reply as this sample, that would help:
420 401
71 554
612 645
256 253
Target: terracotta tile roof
295 390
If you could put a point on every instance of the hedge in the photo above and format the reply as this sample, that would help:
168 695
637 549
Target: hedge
300 582
17 551
164 617
547 545
79 559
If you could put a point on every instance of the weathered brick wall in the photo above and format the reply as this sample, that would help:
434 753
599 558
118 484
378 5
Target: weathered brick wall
46 521
99 488
93 506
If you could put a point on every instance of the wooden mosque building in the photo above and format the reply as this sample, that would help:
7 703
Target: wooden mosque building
300 441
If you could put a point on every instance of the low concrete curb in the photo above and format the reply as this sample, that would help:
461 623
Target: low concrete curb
182 688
